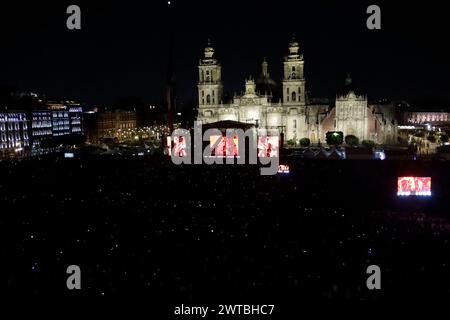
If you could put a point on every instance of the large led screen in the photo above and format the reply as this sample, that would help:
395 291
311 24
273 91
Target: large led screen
179 146
225 147
283 168
268 146
414 186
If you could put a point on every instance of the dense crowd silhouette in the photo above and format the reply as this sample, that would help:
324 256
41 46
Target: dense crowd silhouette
205 233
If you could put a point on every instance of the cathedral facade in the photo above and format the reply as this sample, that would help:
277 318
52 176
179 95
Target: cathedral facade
293 114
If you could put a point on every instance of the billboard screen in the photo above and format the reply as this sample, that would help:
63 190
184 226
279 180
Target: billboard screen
179 146
283 168
414 186
268 146
225 147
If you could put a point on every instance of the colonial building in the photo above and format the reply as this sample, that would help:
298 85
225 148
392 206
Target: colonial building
106 124
294 114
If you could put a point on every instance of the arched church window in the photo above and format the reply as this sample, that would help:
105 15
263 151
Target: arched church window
208 99
294 96
293 69
203 93
299 91
203 101
287 90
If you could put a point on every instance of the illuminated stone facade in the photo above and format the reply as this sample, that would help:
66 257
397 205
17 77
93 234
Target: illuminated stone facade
293 114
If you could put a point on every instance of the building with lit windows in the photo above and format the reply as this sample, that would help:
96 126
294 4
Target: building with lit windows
428 117
60 123
25 131
99 125
67 118
76 116
41 127
13 131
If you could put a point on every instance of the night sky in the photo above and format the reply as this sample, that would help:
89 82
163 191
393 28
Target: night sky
122 49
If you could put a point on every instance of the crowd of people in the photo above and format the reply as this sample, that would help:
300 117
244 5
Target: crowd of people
205 233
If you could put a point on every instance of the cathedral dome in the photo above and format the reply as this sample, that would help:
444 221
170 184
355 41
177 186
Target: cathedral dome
265 84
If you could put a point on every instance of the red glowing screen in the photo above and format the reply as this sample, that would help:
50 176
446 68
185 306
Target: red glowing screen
414 186
283 168
268 146
225 147
169 146
179 146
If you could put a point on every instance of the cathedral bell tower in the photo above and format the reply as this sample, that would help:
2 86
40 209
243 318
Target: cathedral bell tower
210 79
293 80
294 93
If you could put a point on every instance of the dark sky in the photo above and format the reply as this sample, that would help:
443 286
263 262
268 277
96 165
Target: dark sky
122 49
